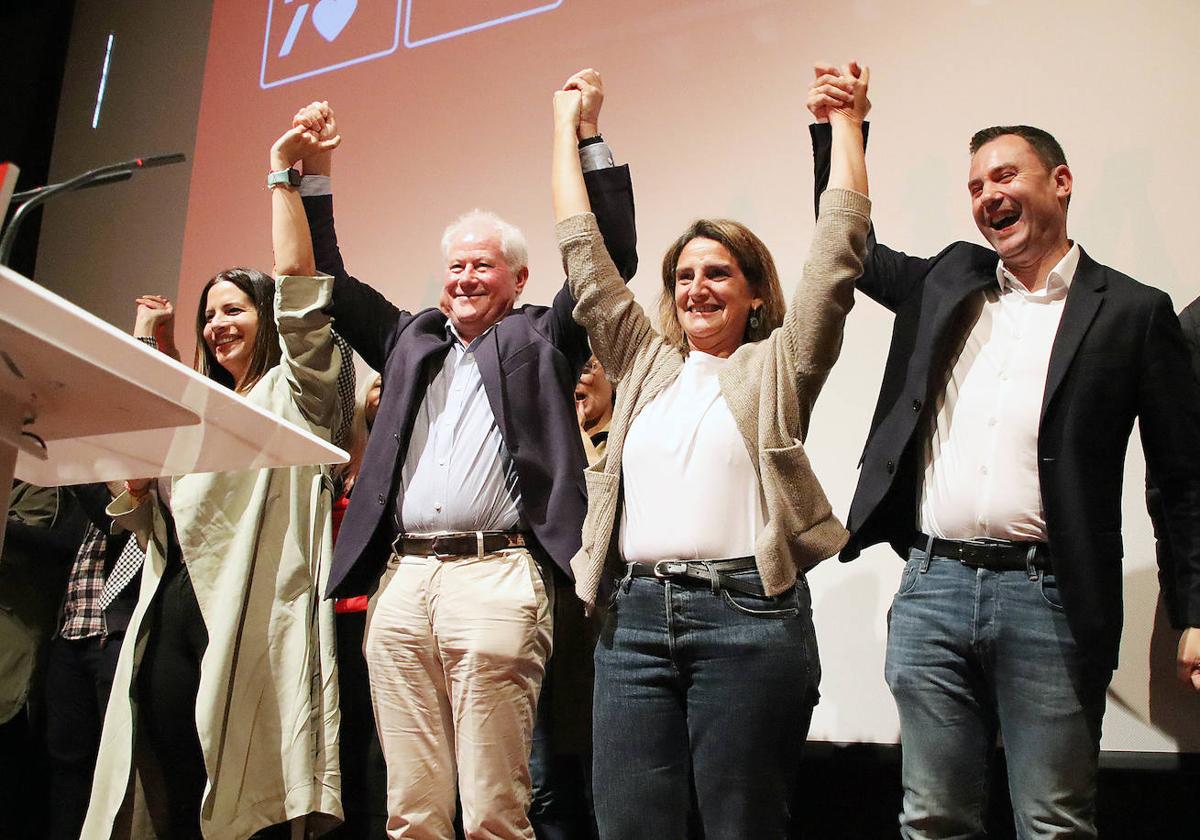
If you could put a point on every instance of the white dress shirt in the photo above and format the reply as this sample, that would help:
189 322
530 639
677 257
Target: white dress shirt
690 489
458 475
981 466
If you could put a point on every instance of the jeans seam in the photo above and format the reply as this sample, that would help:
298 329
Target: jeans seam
669 615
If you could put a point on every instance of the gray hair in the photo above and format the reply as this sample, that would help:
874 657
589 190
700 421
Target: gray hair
512 241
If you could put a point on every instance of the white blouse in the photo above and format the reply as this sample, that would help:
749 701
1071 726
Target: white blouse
690 489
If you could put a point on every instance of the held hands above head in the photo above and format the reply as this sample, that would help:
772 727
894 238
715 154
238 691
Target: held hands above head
318 117
304 142
579 97
839 92
591 91
567 109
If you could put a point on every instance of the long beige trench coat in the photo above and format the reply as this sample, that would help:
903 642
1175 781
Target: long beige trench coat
257 545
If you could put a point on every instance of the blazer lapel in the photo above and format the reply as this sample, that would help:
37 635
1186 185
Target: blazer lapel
487 356
1083 302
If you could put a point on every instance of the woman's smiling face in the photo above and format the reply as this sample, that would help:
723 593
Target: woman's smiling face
713 298
230 327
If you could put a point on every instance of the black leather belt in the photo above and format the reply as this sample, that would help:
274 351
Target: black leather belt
995 555
711 573
457 543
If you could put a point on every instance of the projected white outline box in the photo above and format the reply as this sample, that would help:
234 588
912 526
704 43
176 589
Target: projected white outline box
407 15
262 76
475 27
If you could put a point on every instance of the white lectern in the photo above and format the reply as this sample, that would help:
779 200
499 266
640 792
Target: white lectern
81 401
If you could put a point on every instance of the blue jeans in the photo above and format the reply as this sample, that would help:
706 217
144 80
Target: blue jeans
971 652
703 689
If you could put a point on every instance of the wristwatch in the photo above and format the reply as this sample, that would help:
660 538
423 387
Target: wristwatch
283 178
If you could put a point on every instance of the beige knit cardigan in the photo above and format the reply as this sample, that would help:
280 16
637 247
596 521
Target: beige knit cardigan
770 387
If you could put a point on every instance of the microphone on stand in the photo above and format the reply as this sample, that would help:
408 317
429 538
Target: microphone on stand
92 178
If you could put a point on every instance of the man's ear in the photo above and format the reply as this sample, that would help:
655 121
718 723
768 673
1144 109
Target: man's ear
1063 181
522 276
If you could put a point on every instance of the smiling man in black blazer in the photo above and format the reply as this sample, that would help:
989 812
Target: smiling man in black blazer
471 489
994 466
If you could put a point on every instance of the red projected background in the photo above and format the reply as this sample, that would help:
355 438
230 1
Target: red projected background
445 106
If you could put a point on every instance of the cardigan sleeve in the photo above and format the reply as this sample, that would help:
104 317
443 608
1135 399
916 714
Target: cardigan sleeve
311 358
811 335
616 325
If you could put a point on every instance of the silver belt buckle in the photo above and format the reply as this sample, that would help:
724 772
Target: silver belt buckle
433 548
664 569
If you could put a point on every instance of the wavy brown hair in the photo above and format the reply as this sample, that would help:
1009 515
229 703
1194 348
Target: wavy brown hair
260 288
755 262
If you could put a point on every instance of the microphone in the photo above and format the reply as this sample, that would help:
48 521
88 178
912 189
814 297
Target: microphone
109 174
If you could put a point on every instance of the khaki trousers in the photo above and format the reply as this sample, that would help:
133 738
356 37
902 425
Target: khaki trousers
456 648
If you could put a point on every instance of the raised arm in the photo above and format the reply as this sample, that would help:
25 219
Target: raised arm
610 197
566 175
813 325
604 307
889 277
289 226
311 358
364 317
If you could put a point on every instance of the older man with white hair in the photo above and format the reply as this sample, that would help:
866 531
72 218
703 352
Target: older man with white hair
471 489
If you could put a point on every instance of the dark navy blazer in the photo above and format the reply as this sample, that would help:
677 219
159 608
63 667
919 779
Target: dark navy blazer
1119 355
529 364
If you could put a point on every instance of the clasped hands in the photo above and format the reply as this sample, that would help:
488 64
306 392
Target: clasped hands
839 92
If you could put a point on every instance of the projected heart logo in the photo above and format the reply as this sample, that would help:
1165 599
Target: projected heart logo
331 16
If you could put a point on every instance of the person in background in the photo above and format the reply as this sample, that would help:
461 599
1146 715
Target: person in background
994 466
471 491
1168 554
364 772
594 396
561 761
704 513
235 693
44 529
101 595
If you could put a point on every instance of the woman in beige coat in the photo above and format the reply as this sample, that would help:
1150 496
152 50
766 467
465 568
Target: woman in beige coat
223 717
704 512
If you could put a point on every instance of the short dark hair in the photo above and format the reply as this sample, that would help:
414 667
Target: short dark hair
753 258
260 288
1047 149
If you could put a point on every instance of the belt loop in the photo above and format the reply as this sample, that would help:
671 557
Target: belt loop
714 580
928 555
479 544
1031 562
627 581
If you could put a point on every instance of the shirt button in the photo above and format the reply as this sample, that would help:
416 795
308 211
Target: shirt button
916 405
891 467
983 470
438 507
992 421
381 499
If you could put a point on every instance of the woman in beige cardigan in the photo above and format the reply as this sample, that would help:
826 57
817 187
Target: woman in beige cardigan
704 513
224 715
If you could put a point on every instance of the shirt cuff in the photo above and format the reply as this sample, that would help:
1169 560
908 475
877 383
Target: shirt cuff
311 185
592 157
